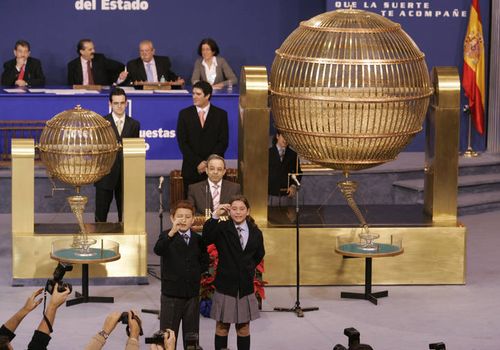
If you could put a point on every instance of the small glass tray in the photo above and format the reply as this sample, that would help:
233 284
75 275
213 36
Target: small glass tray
348 245
104 250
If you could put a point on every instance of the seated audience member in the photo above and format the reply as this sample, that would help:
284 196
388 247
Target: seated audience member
41 336
8 328
184 258
282 161
211 67
208 194
149 67
92 68
134 331
23 70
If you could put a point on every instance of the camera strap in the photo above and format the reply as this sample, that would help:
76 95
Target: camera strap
43 312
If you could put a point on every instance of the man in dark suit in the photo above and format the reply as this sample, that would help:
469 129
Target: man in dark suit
149 67
202 130
184 258
92 68
111 184
208 194
23 70
282 161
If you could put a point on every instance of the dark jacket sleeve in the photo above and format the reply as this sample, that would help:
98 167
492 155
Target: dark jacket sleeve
162 243
223 138
210 231
9 74
37 78
182 139
39 341
295 167
113 69
171 75
204 258
5 332
136 129
260 251
71 74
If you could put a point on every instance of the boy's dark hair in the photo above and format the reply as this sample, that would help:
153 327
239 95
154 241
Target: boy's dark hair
182 204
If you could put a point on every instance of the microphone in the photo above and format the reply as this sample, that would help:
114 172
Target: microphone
294 178
160 185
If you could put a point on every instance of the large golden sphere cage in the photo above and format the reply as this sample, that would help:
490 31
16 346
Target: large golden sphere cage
78 146
350 89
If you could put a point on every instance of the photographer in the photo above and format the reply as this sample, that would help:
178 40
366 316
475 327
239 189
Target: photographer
41 336
134 327
8 328
168 341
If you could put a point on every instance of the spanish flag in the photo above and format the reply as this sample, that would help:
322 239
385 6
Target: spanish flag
473 73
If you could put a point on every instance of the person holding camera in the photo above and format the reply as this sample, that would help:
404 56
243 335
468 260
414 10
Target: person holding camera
8 328
240 245
184 258
168 341
134 330
41 336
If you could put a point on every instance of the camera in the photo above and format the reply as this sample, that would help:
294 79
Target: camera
123 317
58 278
157 338
353 343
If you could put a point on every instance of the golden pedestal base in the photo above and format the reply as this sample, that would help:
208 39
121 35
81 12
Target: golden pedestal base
433 255
31 250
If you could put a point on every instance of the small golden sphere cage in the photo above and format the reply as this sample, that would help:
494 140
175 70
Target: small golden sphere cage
78 146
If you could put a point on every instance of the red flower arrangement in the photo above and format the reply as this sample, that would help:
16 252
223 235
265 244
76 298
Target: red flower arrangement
207 287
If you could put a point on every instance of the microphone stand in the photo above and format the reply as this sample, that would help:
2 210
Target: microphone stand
297 309
160 216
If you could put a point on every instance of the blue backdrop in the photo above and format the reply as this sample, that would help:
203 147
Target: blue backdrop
248 32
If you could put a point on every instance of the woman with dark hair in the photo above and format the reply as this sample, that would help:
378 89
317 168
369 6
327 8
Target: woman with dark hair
240 246
211 67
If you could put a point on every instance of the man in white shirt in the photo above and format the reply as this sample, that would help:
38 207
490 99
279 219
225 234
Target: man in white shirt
92 68
111 185
149 67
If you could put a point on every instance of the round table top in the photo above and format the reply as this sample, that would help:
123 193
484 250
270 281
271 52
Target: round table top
69 255
383 249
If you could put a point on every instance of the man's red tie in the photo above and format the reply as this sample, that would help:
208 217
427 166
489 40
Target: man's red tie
201 114
90 73
21 73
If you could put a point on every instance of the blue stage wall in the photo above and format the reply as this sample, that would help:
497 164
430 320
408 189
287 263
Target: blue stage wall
247 32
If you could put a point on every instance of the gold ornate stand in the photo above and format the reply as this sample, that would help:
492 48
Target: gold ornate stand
441 245
32 247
